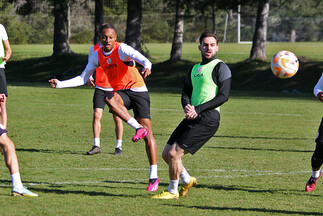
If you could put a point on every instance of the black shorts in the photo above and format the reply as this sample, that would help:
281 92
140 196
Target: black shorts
319 138
191 135
99 98
139 102
2 130
3 83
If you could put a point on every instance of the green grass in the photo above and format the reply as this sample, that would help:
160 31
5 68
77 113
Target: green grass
257 163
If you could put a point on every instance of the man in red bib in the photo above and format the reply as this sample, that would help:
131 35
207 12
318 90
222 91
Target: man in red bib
124 88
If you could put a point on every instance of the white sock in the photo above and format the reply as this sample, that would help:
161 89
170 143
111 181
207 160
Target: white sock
97 142
16 180
133 123
186 178
119 144
316 174
153 172
173 186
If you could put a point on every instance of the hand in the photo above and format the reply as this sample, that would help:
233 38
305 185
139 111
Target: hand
190 112
90 82
5 59
2 97
53 82
320 96
145 72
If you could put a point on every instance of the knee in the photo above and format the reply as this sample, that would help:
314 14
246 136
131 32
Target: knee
7 145
97 115
165 156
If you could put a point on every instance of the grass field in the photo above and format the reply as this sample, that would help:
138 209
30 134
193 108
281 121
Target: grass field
257 164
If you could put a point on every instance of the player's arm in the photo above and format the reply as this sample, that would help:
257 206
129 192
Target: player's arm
78 80
189 109
7 50
187 89
222 75
127 53
318 89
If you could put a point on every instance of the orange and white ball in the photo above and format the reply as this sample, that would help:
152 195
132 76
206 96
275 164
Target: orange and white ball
284 64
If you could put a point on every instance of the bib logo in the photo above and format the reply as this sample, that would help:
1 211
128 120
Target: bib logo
109 61
199 72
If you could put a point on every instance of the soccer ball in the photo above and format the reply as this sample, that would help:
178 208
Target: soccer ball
284 64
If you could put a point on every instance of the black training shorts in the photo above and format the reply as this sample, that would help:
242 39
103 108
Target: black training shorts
191 135
99 98
319 138
2 130
139 102
3 83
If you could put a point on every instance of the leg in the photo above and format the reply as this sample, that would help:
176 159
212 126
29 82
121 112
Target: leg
151 146
151 150
172 154
3 110
316 161
9 152
119 127
96 124
115 103
119 134
11 161
117 107
96 127
175 164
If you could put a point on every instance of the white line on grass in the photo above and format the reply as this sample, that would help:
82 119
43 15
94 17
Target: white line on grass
244 173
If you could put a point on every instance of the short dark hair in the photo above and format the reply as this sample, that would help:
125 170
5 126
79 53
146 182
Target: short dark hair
106 26
208 34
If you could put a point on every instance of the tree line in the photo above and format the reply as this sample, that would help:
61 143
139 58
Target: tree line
182 10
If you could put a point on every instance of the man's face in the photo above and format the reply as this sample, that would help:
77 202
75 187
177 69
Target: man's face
108 38
209 47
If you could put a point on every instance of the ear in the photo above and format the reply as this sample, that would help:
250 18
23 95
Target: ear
199 47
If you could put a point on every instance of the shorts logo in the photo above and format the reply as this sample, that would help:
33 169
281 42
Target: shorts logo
109 60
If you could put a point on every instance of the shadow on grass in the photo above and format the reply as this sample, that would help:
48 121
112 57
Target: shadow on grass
54 189
241 209
50 151
260 149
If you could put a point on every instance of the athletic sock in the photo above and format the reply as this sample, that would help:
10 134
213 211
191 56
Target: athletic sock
134 123
119 144
153 172
97 142
316 174
16 180
173 186
186 178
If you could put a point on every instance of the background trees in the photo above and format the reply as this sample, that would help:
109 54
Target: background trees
146 21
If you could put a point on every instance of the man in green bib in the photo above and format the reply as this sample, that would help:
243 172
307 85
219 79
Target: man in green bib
206 88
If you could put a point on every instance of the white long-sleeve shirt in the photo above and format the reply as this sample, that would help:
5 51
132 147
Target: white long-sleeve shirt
3 37
319 86
126 53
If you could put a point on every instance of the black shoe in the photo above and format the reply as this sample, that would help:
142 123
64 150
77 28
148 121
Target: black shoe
94 150
118 151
